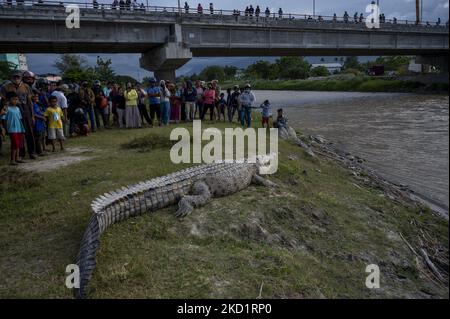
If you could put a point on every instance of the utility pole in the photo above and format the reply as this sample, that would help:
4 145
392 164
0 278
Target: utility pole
314 8
418 11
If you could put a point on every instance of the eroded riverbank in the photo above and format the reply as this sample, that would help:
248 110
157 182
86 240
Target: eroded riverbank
404 137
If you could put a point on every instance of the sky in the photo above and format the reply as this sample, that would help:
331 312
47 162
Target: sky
129 63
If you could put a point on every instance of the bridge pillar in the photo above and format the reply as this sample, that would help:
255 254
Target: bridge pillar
165 60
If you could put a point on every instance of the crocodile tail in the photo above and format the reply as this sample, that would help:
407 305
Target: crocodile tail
86 256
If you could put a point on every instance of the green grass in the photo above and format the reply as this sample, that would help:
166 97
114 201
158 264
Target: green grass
356 84
310 237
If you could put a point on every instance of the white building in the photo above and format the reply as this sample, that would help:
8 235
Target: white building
331 67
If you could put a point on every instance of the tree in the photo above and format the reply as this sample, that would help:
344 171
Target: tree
262 70
103 70
320 71
351 62
230 72
293 68
73 68
6 68
213 72
124 79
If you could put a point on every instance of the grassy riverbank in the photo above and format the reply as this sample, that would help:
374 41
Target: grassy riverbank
345 84
311 237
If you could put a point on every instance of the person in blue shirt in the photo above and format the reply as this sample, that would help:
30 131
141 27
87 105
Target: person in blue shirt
2 128
14 126
39 126
154 93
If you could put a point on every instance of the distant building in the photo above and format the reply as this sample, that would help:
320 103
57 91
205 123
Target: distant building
50 77
18 60
331 67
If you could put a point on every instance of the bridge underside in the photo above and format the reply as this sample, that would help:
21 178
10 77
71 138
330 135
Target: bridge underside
77 47
127 47
236 52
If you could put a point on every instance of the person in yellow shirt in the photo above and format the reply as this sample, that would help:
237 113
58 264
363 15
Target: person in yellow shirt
132 115
55 116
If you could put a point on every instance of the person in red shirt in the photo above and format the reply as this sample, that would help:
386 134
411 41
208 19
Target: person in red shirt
209 101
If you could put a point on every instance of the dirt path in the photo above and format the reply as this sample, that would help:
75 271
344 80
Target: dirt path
57 160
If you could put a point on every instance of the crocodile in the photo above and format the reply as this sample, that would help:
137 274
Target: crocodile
189 188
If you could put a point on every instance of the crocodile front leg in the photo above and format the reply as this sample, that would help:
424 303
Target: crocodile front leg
258 180
200 196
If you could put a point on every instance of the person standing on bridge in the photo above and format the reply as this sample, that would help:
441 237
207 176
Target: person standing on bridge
280 13
346 17
257 11
186 7
267 12
211 8
199 9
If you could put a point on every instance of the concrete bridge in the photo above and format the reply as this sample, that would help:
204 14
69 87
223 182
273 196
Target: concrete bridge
168 38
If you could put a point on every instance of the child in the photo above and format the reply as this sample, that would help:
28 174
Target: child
281 121
2 129
39 126
266 113
54 116
14 126
222 105
80 122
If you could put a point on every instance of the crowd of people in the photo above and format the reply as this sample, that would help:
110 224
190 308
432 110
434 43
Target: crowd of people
35 113
250 12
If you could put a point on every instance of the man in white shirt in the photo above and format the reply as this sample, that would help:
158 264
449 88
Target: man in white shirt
247 100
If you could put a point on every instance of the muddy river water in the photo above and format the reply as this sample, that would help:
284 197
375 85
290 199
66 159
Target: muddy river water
404 137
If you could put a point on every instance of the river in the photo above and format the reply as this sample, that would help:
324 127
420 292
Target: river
404 137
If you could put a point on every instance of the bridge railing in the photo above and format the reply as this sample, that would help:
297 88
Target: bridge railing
238 15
